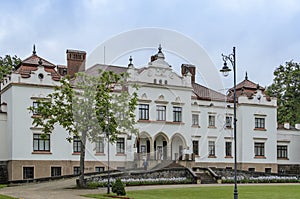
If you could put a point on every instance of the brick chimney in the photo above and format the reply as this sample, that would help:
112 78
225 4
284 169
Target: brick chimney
185 68
75 61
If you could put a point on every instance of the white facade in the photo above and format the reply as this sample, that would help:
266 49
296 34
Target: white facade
178 120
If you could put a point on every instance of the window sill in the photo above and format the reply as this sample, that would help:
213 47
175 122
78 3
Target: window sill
228 127
260 157
195 126
121 154
259 129
228 157
76 153
100 154
36 116
179 123
211 127
283 159
41 152
212 156
144 121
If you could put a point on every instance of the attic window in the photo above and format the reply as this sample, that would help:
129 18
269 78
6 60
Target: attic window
166 81
41 76
155 81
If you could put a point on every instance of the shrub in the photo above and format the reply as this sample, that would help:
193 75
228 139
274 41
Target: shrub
118 188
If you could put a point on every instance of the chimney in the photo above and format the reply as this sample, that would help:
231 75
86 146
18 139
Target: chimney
75 61
297 126
185 68
286 125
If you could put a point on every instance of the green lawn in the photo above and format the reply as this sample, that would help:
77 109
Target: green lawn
217 192
6 197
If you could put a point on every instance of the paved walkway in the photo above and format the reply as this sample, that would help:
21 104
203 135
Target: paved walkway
63 189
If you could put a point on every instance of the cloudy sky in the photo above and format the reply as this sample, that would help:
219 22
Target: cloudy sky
265 33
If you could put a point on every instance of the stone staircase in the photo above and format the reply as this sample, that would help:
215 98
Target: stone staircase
162 164
206 178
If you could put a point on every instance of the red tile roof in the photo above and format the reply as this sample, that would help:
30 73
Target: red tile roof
204 93
246 88
32 63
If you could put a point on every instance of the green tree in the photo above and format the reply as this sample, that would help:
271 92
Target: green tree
8 64
118 188
286 88
85 106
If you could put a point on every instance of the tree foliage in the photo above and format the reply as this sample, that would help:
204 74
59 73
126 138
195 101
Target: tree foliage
87 107
118 187
8 64
286 88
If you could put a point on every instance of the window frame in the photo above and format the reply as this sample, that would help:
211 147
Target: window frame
259 123
39 144
76 144
282 151
195 119
259 149
228 122
196 147
143 111
99 145
211 121
211 148
177 114
161 111
26 172
228 149
120 146
53 172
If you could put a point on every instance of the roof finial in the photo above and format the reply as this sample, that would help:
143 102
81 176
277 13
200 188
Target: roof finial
246 77
130 62
40 61
34 52
159 48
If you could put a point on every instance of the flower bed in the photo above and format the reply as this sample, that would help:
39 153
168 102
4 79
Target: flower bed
136 182
262 179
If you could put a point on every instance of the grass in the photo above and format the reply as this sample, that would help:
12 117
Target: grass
215 192
6 197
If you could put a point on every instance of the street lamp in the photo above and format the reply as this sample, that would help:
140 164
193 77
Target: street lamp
225 70
107 134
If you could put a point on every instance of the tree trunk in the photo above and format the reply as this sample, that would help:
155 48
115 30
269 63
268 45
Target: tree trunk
82 183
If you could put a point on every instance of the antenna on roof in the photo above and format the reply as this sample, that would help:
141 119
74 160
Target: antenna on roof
104 55
246 77
34 52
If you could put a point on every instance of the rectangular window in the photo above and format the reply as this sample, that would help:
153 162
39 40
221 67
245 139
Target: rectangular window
100 145
144 112
160 113
35 106
28 172
99 169
259 149
211 148
55 171
41 142
211 121
121 145
195 119
282 151
228 149
76 144
76 170
259 123
228 122
177 114
196 147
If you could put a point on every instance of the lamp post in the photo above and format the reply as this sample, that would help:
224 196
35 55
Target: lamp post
225 70
107 134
